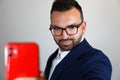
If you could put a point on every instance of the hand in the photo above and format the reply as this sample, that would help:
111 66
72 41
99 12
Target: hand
42 77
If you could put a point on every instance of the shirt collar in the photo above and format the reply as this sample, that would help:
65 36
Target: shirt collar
62 54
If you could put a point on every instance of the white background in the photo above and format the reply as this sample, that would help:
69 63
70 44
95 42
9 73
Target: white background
28 20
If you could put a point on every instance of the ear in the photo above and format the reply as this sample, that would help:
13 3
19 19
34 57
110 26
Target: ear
84 26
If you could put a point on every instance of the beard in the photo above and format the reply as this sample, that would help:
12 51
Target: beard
67 47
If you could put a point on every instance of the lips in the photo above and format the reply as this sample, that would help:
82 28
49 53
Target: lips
65 42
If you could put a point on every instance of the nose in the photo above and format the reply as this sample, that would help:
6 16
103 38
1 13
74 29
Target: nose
64 34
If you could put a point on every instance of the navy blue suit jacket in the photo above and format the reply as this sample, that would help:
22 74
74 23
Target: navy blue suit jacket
83 62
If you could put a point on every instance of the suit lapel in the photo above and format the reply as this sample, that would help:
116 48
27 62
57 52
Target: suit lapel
63 65
49 63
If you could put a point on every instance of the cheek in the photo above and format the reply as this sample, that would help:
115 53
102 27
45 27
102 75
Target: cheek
79 32
56 38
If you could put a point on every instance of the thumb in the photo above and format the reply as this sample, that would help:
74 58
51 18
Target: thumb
42 76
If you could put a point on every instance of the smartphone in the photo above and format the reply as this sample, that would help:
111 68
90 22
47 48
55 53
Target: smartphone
21 60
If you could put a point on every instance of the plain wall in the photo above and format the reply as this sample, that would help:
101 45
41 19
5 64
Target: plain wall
28 21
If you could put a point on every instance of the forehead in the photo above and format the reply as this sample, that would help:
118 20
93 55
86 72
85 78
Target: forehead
65 18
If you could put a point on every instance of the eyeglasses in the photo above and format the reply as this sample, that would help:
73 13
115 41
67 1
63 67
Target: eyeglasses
70 30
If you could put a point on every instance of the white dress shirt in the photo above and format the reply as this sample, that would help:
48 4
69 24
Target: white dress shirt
56 60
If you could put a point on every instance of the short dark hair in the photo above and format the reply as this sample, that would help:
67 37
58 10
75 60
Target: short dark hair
64 5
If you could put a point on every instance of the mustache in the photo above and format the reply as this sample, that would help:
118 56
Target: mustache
65 39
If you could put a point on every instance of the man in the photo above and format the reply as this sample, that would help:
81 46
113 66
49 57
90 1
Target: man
75 59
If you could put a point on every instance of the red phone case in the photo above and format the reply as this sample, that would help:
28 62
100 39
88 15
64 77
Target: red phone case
21 60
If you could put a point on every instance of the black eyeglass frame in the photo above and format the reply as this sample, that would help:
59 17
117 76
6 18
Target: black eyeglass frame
77 26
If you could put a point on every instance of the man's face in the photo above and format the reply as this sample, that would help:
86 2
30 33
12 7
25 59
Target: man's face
62 19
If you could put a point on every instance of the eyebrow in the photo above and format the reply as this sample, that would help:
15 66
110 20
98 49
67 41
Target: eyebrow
60 27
